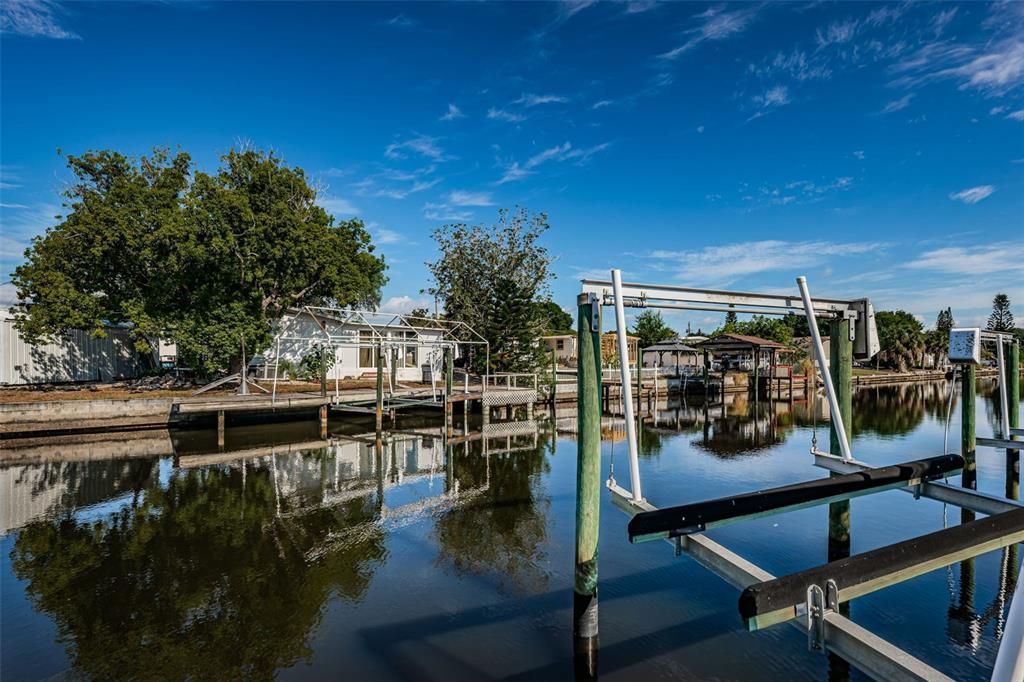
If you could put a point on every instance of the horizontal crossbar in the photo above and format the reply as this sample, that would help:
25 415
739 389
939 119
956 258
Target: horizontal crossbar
1001 443
776 601
700 516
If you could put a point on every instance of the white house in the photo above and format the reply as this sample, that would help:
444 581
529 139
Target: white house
415 348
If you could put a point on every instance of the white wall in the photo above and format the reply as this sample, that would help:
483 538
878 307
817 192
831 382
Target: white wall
77 357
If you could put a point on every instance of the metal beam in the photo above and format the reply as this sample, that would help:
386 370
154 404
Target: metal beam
780 303
699 516
869 653
1001 443
942 492
778 600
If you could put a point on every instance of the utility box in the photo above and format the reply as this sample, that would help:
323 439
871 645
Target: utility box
865 339
965 346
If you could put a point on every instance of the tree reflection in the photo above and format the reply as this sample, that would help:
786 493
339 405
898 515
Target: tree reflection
198 579
501 533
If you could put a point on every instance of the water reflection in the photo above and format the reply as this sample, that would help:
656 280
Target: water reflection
220 565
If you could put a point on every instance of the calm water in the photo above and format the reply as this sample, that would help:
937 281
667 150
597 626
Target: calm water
288 556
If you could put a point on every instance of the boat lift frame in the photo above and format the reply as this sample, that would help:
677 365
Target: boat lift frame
817 610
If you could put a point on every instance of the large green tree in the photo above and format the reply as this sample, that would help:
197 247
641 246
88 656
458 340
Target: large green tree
651 328
553 319
209 260
900 337
1001 319
492 278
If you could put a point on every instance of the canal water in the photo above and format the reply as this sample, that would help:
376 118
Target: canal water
161 556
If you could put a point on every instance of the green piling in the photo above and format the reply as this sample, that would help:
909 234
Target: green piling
968 444
380 387
588 486
1013 395
841 369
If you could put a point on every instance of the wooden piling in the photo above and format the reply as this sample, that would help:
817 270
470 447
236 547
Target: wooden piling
323 421
968 404
588 488
1013 394
220 429
379 361
841 369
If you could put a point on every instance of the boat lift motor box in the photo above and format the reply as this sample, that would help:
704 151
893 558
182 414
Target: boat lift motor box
865 339
965 346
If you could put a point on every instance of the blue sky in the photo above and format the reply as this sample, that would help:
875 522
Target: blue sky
876 148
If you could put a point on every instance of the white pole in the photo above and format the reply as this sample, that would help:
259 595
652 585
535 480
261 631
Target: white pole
1010 657
277 365
819 352
627 391
1003 398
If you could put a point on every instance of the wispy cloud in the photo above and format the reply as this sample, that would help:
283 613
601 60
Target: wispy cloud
562 152
1016 115
859 155
638 6
972 260
442 212
771 99
993 69
503 115
453 113
532 100
973 195
338 206
401 21
382 235
463 198
837 33
898 104
601 104
393 183
32 18
715 23
423 145
725 263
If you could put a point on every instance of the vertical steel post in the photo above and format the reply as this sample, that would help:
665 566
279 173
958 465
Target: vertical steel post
588 485
627 400
379 361
554 376
449 380
323 372
1012 380
1004 400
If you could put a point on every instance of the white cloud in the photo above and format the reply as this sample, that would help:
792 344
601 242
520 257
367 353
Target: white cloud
12 206
386 236
8 295
601 104
531 100
972 260
337 206
401 21
771 99
637 6
559 153
722 263
32 18
992 68
973 195
942 19
715 24
453 113
464 198
442 212
423 145
836 33
404 304
1016 115
859 155
898 104
502 115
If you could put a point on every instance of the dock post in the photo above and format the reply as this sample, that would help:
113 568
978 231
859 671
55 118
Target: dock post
841 369
379 361
323 372
968 444
323 421
588 486
220 429
1012 379
449 379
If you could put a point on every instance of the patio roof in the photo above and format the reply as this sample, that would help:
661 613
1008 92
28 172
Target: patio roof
671 346
727 342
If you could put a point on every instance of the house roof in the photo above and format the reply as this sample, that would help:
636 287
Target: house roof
739 341
671 346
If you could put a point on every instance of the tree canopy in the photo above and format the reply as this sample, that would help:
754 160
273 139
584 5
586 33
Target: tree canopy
493 278
1001 319
900 337
209 260
651 328
553 319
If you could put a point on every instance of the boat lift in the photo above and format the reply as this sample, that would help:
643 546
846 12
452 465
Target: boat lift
808 599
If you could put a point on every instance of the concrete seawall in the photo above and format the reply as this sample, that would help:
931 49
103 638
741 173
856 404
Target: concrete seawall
68 415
